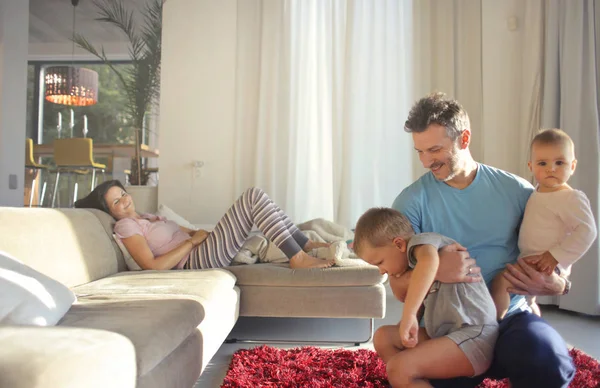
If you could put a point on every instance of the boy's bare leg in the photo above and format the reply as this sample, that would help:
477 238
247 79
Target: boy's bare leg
437 358
500 295
387 341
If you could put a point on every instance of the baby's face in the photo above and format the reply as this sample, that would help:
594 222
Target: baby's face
390 259
552 165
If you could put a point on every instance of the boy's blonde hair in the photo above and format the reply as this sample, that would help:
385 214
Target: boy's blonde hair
380 225
553 136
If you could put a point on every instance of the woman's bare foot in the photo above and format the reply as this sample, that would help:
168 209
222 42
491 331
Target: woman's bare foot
304 260
310 245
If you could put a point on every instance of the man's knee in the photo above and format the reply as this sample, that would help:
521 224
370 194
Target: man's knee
531 353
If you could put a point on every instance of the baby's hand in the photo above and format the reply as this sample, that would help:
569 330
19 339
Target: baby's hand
409 331
546 264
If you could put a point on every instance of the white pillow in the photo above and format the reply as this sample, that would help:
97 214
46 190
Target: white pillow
131 264
169 214
29 297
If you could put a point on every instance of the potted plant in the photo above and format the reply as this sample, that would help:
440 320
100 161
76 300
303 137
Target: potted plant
141 81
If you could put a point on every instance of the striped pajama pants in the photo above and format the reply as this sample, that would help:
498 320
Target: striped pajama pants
254 207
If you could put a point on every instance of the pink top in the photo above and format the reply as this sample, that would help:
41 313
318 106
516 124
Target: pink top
161 235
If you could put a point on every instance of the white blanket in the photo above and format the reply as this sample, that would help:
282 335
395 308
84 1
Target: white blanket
258 249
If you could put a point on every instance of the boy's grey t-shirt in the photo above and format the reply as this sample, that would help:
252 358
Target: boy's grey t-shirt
448 307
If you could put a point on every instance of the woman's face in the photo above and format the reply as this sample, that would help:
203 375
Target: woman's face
120 204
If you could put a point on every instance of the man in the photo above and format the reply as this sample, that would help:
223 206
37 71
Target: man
481 207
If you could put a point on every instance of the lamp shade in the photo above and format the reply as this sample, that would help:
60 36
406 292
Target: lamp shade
70 85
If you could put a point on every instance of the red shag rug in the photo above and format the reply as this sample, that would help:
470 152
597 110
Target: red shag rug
265 366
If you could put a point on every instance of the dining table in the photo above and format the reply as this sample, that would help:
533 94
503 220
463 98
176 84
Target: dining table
102 150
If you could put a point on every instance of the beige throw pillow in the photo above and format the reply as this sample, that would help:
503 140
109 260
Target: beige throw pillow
131 264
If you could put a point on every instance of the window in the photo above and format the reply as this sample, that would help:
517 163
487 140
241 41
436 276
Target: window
107 121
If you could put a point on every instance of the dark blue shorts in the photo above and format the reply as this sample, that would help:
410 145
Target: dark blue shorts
529 352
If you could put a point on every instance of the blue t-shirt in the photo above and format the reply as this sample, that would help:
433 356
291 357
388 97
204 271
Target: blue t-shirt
484 217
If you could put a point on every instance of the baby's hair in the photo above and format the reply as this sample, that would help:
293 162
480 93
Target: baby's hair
553 136
380 225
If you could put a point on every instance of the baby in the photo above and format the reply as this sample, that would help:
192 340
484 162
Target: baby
558 225
460 319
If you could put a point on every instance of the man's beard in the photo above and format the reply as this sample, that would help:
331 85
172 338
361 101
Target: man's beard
452 166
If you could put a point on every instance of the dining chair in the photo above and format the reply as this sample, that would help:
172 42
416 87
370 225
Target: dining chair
75 156
36 167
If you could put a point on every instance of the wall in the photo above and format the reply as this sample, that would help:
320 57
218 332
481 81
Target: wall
199 43
14 21
197 107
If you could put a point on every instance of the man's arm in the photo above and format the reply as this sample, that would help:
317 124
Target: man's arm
456 266
528 281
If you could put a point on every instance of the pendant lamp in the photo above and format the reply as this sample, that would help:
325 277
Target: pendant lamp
71 85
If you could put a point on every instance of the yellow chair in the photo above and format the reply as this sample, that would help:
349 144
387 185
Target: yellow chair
31 164
75 156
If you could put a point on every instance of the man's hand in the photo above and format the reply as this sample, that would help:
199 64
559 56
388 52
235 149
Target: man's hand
526 280
456 266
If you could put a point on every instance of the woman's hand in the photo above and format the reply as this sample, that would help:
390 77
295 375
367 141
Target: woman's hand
456 266
199 236
409 331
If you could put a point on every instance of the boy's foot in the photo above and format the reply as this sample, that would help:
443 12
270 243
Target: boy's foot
310 245
303 260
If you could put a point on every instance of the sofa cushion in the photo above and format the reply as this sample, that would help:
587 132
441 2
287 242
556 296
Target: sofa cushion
269 274
52 357
29 297
155 326
69 245
165 306
202 285
169 214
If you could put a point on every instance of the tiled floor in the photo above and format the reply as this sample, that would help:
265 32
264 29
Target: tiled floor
578 330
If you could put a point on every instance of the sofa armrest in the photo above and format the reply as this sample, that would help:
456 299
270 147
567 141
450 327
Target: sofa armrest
44 357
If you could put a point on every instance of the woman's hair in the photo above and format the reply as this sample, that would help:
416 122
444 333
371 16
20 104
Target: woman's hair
95 199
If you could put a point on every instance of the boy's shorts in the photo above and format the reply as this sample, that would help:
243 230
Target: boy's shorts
477 343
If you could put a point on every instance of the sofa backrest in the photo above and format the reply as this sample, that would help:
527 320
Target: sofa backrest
73 246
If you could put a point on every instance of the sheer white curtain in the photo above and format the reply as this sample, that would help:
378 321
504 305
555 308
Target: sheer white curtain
532 79
560 80
323 89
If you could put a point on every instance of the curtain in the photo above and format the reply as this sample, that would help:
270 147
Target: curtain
570 102
448 58
532 80
322 91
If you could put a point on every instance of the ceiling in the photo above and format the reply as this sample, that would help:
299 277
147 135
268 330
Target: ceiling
51 21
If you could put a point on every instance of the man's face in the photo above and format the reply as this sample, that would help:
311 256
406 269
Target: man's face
438 152
552 165
390 259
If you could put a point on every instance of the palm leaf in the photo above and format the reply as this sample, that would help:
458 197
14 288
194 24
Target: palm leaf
141 81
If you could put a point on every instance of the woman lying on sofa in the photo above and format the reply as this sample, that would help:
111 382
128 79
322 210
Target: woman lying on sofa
157 243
